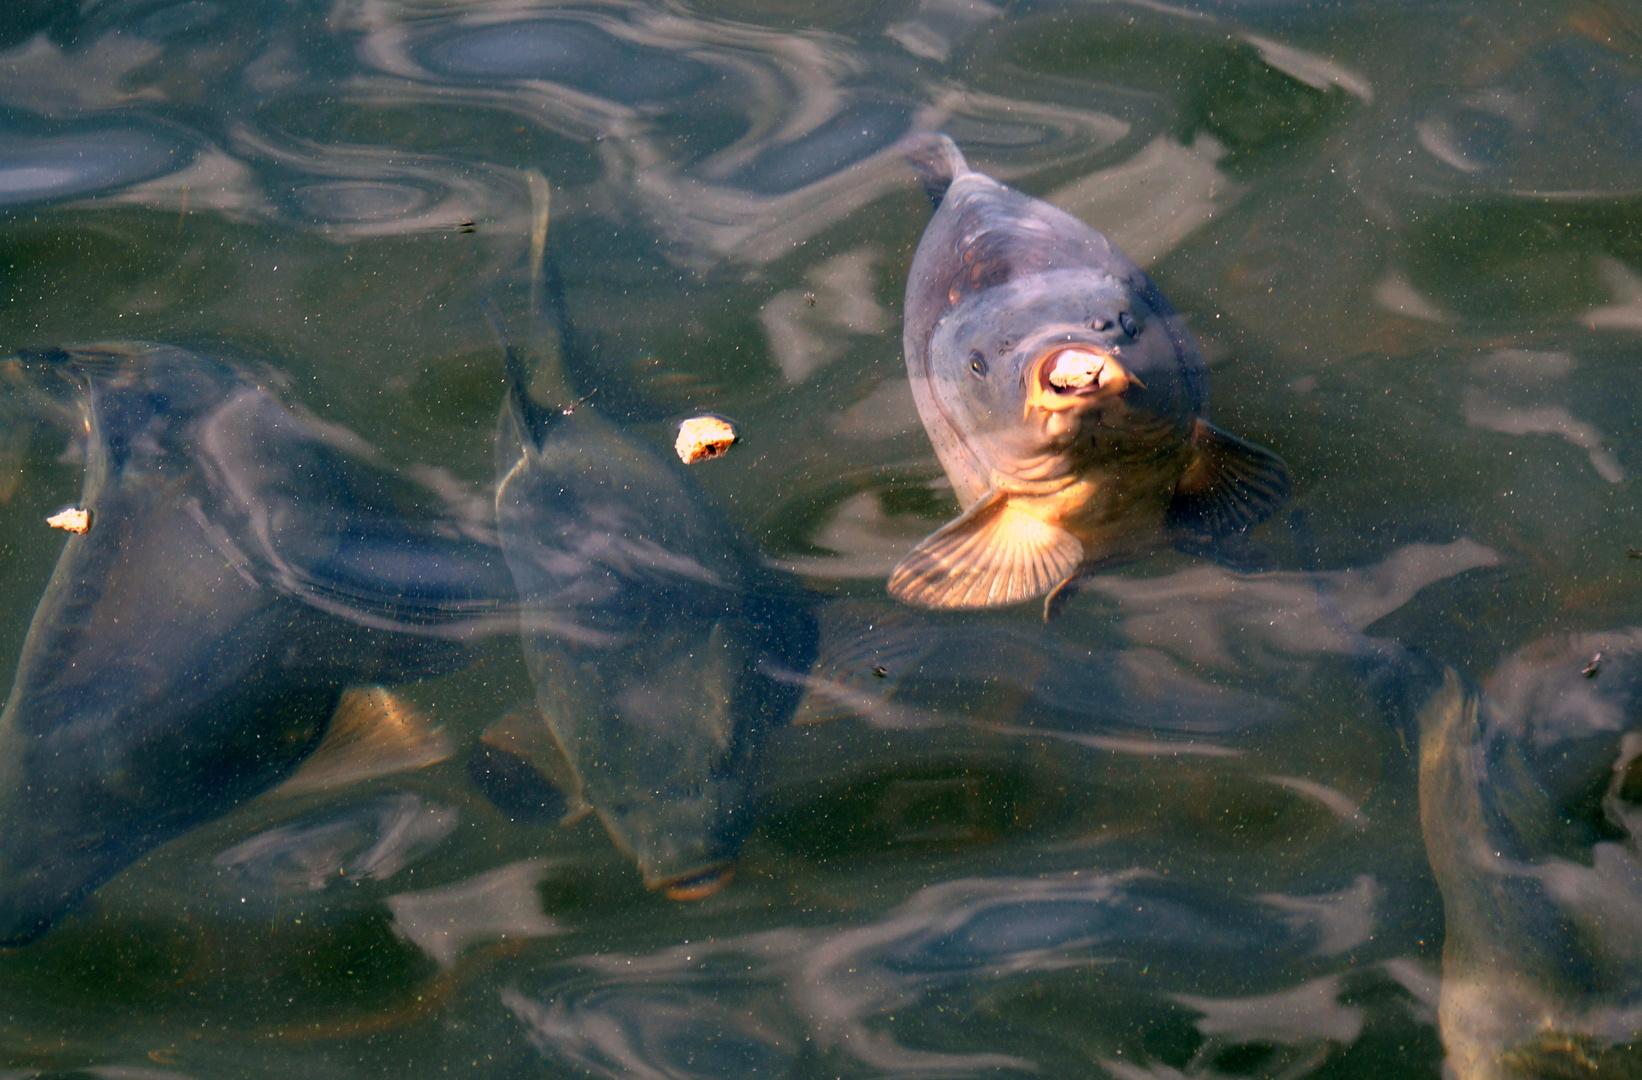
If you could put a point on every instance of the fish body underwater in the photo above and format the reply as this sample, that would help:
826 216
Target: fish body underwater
663 650
1531 805
244 563
1065 399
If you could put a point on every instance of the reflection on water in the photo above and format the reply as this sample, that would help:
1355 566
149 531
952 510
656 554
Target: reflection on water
871 995
40 168
578 55
374 840
300 771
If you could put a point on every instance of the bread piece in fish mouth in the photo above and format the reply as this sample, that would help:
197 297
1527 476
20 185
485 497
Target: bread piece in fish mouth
1065 398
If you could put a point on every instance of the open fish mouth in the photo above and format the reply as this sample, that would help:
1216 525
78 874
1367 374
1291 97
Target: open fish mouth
1072 375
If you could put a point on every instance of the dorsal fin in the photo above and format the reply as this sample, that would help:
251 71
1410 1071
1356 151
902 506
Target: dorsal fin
538 386
937 161
529 416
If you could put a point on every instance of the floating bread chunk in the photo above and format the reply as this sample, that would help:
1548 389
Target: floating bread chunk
72 520
1075 369
703 437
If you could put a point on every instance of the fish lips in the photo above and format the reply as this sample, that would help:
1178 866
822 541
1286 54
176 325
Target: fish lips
1075 375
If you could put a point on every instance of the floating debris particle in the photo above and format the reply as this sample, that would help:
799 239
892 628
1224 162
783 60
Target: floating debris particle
1633 553
1590 670
703 437
74 520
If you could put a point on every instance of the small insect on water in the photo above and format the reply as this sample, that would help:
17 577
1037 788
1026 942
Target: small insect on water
466 227
881 671
73 519
1633 553
1591 669
809 299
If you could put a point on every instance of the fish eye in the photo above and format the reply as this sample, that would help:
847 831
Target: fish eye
1126 321
977 364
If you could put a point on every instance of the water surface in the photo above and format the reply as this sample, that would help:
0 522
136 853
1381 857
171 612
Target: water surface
1178 831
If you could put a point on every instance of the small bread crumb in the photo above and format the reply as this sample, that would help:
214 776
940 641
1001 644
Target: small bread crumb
1075 369
703 437
72 520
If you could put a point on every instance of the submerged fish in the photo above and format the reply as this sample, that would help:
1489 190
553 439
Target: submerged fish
1531 805
661 646
244 562
1065 398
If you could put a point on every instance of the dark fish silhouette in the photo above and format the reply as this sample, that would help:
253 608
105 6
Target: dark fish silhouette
663 650
1531 803
244 563
1065 399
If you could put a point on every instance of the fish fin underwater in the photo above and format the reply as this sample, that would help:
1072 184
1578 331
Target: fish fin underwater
1231 485
373 733
994 554
937 161
525 736
31 401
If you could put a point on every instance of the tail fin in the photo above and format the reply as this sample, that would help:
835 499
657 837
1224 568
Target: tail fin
937 161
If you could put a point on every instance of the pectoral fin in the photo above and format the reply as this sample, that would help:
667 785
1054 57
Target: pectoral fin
373 733
1230 486
995 554
526 735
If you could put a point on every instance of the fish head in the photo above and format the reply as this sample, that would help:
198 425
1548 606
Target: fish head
1049 373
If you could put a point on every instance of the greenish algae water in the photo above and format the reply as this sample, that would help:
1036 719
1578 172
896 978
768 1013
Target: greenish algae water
1177 832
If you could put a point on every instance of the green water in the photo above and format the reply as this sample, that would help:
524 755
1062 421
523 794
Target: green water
1406 237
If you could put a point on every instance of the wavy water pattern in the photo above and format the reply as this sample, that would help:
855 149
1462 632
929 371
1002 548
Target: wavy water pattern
1350 794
